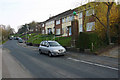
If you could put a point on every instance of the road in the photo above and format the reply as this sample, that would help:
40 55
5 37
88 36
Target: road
21 62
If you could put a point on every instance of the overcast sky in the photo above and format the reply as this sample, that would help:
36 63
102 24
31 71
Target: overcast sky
19 12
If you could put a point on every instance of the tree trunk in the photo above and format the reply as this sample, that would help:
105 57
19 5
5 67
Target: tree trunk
108 26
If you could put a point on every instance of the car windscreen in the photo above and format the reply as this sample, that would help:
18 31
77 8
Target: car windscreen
54 44
20 40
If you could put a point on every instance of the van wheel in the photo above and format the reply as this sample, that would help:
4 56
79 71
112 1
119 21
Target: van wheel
40 52
50 54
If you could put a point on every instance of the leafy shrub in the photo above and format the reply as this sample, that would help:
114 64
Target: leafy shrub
64 41
86 39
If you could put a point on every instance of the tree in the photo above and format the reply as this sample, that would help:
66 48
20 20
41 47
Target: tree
22 29
105 14
10 30
108 6
6 31
32 25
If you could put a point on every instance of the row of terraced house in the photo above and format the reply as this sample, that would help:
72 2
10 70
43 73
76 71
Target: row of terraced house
60 25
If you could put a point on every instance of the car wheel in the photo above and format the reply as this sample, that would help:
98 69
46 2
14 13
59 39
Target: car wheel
40 52
50 54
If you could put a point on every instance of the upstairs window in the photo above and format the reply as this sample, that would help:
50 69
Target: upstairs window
80 15
47 24
63 20
50 23
66 19
42 25
70 18
90 12
57 22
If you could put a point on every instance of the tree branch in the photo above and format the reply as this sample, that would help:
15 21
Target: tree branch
105 3
111 5
98 20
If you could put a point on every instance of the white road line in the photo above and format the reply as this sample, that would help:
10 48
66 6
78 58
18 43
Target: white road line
73 59
93 63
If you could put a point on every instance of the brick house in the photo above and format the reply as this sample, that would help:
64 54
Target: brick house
60 25
43 31
83 15
40 28
63 23
50 25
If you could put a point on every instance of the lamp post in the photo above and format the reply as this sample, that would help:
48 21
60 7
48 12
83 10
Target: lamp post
74 26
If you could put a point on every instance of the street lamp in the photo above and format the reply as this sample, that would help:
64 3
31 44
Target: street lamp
74 25
74 13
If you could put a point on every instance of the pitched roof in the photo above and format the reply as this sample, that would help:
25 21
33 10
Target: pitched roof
61 15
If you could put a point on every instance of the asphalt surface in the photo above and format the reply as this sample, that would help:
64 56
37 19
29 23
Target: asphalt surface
21 62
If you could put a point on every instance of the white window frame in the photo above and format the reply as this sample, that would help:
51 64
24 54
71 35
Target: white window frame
36 29
88 12
80 15
63 31
58 31
57 22
80 28
90 26
70 31
70 18
53 30
43 25
63 20
66 19
43 31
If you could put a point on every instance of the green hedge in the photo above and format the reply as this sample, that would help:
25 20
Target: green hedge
86 39
38 38
64 41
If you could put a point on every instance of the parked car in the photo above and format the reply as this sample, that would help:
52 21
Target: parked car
52 48
10 38
20 40
15 38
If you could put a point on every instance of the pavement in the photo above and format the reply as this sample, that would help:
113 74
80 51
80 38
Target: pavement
113 52
108 61
99 59
10 71
21 61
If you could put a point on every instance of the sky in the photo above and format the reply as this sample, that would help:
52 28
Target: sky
19 12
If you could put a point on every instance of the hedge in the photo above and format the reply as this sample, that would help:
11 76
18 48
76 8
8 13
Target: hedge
86 39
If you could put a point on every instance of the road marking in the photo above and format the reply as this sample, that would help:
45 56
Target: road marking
93 63
73 59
